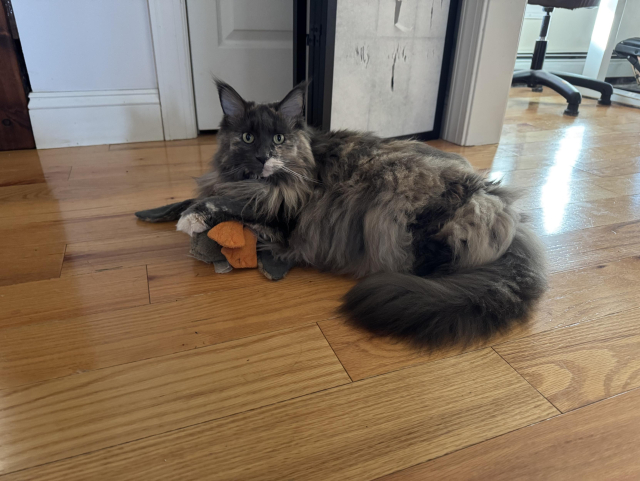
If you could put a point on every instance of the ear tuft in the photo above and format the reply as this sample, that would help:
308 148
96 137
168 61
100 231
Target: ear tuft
232 103
292 106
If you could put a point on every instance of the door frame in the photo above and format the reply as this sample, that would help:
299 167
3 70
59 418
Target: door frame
321 42
170 33
175 83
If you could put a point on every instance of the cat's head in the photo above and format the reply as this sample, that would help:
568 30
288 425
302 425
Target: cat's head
264 142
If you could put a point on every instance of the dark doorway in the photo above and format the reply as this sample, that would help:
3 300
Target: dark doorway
15 126
325 54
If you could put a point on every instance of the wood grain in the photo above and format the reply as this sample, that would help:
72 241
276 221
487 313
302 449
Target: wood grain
171 281
26 264
76 226
358 431
64 298
123 368
79 414
206 139
574 296
594 443
71 196
590 247
622 184
96 256
580 364
583 215
365 355
55 349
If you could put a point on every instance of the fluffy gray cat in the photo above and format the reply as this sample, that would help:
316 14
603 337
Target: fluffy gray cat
444 254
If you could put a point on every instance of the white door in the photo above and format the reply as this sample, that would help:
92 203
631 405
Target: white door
246 43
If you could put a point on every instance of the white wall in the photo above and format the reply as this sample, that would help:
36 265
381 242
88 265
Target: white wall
629 28
92 71
570 30
72 45
570 33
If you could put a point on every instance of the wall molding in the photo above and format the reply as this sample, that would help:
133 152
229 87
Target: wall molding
485 56
69 119
563 63
170 33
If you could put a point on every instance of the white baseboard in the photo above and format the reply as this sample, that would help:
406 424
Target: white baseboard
68 119
631 99
617 67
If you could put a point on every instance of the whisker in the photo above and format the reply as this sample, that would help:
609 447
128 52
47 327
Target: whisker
299 175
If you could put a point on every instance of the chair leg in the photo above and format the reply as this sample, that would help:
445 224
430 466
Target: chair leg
521 77
568 91
605 89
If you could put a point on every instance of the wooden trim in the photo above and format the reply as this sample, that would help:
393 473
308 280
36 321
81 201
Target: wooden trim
69 119
173 66
15 125
485 56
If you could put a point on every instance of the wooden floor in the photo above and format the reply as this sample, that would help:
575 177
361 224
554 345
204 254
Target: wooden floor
123 358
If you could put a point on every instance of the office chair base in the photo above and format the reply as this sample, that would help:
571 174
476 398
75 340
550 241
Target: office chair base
539 78
572 110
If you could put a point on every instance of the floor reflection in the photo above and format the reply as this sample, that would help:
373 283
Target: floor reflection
556 192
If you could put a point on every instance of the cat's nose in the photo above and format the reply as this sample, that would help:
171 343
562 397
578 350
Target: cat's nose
262 158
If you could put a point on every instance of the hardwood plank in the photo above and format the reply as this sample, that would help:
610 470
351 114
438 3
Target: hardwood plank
27 175
160 172
63 298
580 364
124 403
589 293
535 177
546 195
358 431
50 350
27 264
77 226
102 156
558 217
95 256
205 139
365 355
573 297
624 184
590 247
110 198
593 443
171 281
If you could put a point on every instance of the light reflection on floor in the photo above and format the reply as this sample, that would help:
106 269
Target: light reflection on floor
556 192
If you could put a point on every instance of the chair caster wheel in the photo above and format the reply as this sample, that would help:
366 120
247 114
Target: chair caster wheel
604 101
572 110
537 88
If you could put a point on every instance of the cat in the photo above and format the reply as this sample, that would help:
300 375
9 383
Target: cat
444 255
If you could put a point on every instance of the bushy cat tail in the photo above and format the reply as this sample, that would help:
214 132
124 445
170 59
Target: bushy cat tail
463 307
166 213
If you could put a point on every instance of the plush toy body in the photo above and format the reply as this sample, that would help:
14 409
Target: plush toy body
238 244
227 245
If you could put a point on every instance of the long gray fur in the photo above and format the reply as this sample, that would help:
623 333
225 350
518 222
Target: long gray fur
445 253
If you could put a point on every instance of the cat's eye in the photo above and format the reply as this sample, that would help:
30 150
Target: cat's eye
248 138
278 139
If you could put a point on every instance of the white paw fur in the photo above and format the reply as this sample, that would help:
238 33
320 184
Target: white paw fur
191 224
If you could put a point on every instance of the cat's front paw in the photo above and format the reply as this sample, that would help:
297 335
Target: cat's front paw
192 223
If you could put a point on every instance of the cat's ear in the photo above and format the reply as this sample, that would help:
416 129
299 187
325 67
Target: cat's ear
232 104
292 106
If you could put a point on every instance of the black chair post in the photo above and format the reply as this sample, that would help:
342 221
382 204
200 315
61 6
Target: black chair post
541 44
561 82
